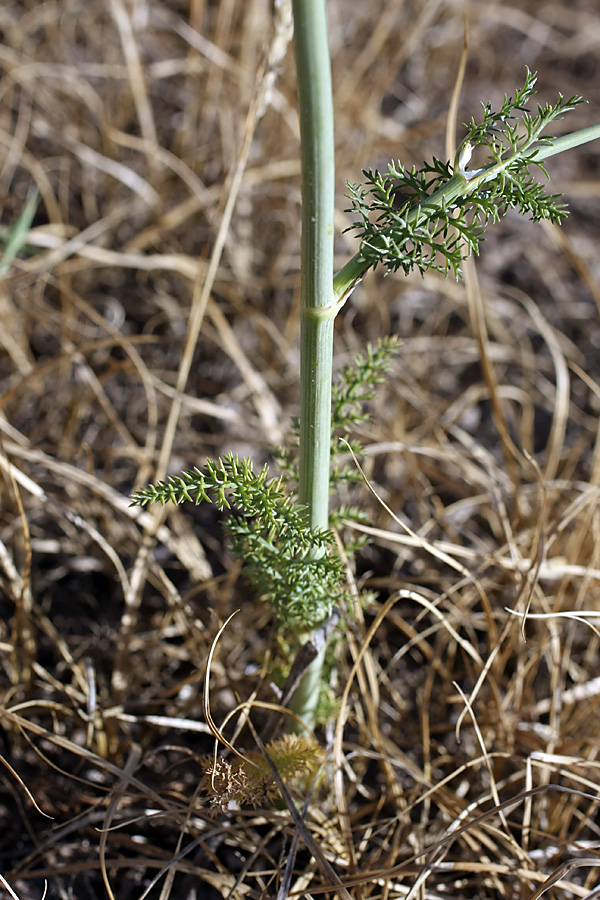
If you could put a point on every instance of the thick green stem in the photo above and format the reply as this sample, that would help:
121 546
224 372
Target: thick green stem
317 311
315 414
316 131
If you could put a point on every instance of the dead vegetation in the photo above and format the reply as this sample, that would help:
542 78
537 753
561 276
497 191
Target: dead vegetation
151 321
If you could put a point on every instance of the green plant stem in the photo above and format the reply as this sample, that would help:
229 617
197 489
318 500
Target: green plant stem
318 170
567 142
461 184
317 313
17 236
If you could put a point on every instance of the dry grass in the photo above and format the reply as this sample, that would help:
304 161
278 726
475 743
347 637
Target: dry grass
152 322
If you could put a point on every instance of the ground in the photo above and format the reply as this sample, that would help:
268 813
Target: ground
149 322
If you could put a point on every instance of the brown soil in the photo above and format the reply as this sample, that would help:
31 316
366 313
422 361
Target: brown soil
135 119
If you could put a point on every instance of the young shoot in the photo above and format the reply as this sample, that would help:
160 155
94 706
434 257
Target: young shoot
434 216
267 531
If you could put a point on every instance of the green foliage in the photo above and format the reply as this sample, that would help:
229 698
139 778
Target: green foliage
355 383
228 483
291 566
353 390
426 218
295 569
395 232
430 218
